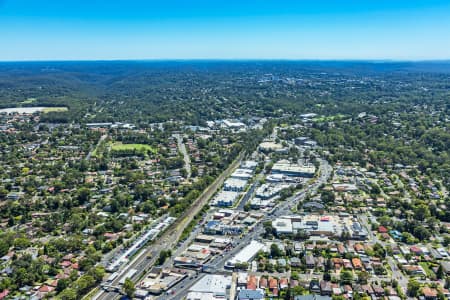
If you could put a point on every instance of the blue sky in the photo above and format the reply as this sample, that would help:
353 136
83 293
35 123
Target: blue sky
245 29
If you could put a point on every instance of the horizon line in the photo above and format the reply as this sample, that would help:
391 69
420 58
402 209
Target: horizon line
377 60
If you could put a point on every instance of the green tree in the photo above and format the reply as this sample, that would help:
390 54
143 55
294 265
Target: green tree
327 197
21 243
421 212
3 193
68 294
346 277
363 277
83 195
413 288
129 288
275 251
4 247
298 290
63 283
84 283
440 272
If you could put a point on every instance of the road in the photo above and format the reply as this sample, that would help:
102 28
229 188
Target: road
169 238
396 272
187 159
247 195
218 263
102 138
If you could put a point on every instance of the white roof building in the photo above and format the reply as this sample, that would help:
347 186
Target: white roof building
295 170
249 164
244 174
225 198
246 254
216 285
200 296
234 184
282 225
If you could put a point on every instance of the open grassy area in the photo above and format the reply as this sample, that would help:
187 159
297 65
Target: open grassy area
329 118
54 109
426 268
29 101
118 146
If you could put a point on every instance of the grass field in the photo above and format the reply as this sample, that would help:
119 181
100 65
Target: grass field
118 146
29 101
54 109
426 268
329 118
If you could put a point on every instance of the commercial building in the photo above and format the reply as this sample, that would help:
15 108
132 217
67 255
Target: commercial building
160 280
249 164
270 147
200 296
320 225
217 227
234 185
295 170
267 191
274 178
233 124
246 254
243 174
282 226
217 285
225 198
258 203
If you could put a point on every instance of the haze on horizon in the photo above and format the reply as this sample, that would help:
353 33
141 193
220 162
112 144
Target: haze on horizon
200 29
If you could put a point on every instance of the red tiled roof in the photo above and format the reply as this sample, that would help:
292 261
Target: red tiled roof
4 294
65 263
356 263
429 292
54 283
252 282
273 283
382 229
263 283
46 289
415 249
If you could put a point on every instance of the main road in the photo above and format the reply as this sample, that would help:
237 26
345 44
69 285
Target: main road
186 158
168 240
218 263
100 140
